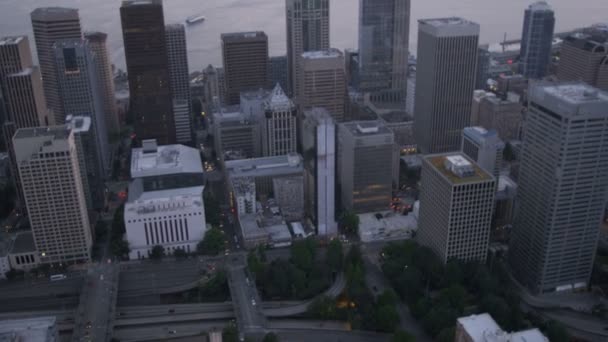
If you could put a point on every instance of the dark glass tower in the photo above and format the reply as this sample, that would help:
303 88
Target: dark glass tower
143 30
536 39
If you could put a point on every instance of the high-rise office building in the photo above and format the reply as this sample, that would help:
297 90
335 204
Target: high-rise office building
279 72
51 24
384 28
21 84
307 30
143 31
445 81
48 165
97 43
483 67
23 98
319 151
279 131
323 82
365 166
456 205
87 151
562 187
536 40
581 56
484 147
180 81
81 92
245 56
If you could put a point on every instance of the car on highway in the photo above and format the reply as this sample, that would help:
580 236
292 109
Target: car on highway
171 310
253 302
172 331
89 325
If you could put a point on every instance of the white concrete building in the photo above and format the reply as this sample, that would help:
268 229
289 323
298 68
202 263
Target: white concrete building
483 328
319 145
47 161
484 147
165 205
39 329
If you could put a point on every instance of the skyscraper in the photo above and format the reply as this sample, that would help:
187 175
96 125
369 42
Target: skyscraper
180 83
143 31
279 72
581 56
445 81
307 30
319 151
323 82
562 187
82 93
536 40
484 147
279 132
365 166
48 166
456 205
384 28
97 43
51 24
23 97
245 57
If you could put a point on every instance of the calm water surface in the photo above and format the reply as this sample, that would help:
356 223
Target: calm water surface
496 18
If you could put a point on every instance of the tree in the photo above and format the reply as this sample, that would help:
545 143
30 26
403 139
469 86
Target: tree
255 266
556 332
302 256
230 334
212 243
402 336
271 337
157 253
120 247
335 255
446 335
349 222
100 229
212 210
386 317
180 253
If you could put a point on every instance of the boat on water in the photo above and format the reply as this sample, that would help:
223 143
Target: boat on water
195 19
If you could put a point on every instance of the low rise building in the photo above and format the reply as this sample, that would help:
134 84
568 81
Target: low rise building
483 328
165 205
39 329
23 255
386 225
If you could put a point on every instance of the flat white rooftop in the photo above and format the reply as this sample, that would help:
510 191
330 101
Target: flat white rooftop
478 327
27 329
265 167
165 160
11 40
570 98
577 93
449 27
446 21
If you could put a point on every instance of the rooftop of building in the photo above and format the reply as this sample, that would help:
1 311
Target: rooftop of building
78 123
386 225
448 21
260 94
540 6
166 200
27 329
588 42
278 100
126 3
243 185
96 36
320 54
266 166
24 243
240 36
483 328
55 132
11 40
481 135
54 13
175 27
319 115
570 98
457 168
366 128
153 160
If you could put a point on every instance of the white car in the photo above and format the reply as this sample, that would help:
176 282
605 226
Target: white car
253 302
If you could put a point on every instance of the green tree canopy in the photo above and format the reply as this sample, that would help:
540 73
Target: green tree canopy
349 222
157 253
212 243
335 255
402 336
271 337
